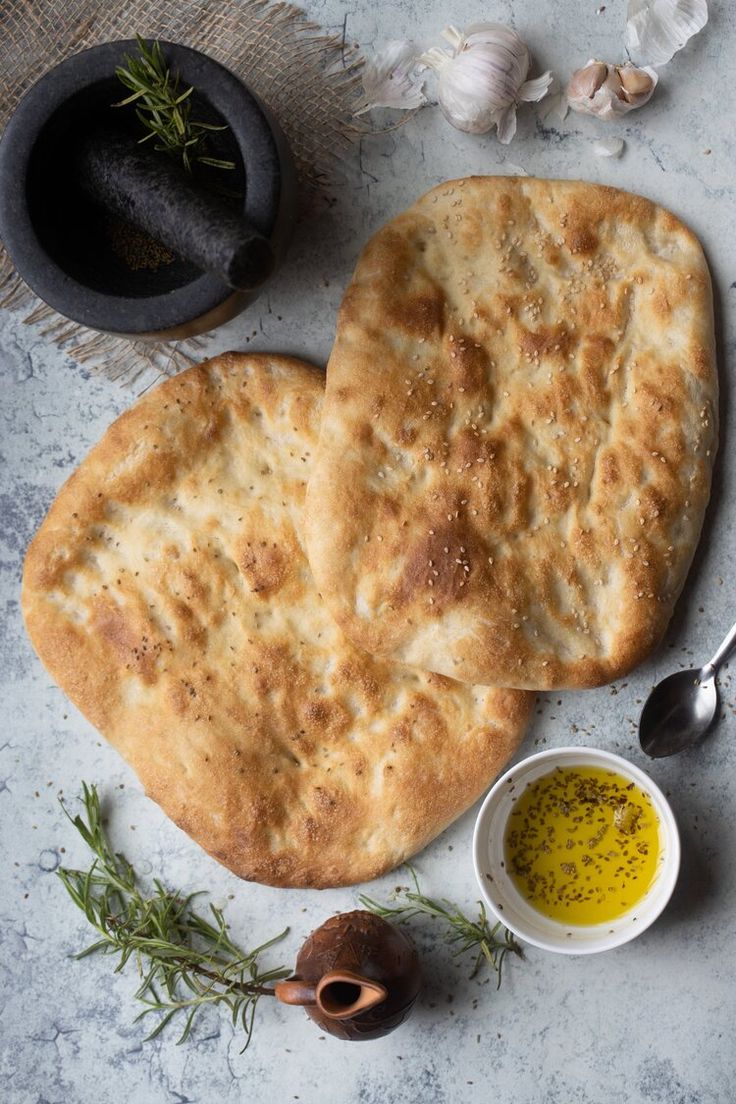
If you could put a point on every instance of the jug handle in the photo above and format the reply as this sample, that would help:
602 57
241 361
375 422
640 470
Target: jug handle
295 991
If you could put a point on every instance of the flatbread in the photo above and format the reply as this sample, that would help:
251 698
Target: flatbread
518 434
168 594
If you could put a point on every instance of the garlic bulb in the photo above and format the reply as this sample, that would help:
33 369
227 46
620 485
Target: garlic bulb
483 79
609 91
393 78
657 29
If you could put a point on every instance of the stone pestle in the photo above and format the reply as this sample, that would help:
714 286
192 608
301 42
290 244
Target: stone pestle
155 195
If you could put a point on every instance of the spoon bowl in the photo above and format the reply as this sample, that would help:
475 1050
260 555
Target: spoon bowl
678 712
680 709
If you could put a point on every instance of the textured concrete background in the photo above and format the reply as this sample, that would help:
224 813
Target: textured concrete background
650 1023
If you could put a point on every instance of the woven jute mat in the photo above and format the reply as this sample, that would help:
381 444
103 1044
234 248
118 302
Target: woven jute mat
310 81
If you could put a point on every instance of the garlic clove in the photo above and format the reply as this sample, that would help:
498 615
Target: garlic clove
609 147
585 82
637 85
393 78
613 82
623 88
657 29
635 82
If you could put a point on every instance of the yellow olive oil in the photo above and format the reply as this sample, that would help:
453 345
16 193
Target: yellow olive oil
582 844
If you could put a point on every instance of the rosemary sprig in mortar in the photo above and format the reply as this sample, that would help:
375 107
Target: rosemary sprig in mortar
470 935
164 110
186 962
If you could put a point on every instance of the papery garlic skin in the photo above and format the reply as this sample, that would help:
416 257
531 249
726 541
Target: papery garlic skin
555 105
609 91
515 170
483 80
609 147
393 78
657 29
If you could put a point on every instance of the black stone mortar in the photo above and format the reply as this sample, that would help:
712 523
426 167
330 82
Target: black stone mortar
67 246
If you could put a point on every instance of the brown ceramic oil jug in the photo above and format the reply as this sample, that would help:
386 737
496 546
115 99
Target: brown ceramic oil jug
357 976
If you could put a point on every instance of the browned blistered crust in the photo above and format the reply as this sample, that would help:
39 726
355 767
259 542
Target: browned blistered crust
168 594
518 435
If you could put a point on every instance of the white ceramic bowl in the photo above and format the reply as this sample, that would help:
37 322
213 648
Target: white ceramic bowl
502 896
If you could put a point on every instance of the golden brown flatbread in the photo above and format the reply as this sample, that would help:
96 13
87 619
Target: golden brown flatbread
518 433
168 594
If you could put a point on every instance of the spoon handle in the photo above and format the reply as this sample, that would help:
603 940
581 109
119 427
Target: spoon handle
725 650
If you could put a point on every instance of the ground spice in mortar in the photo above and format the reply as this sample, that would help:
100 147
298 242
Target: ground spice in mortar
134 248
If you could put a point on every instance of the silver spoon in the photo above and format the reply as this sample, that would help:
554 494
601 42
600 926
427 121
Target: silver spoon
681 708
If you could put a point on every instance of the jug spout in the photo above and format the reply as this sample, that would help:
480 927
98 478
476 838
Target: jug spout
342 994
339 994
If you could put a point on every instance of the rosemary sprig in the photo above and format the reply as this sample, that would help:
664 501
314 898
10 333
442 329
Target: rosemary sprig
164 110
185 961
470 935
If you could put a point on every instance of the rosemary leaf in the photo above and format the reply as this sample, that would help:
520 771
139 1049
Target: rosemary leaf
186 961
489 944
163 110
217 164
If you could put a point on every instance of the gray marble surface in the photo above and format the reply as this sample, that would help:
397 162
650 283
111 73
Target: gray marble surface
649 1023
